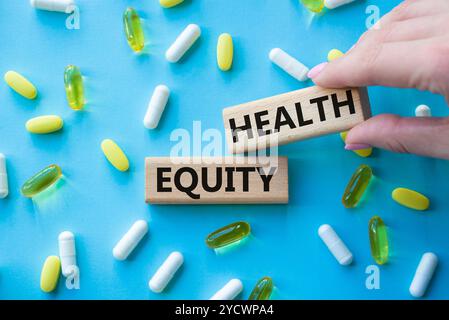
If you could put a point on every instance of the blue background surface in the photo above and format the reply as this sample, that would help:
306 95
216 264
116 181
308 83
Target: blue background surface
99 203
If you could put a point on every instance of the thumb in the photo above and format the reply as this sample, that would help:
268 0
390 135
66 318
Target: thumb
417 135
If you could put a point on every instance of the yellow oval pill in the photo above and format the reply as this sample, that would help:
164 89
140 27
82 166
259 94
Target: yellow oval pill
50 274
44 124
20 84
115 155
334 54
410 199
362 152
169 3
225 51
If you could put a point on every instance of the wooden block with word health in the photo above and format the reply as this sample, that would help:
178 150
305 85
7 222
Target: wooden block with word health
174 180
294 116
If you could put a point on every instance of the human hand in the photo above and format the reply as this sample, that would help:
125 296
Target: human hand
408 48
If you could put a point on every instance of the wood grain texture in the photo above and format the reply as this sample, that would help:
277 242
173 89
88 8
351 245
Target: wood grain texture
294 116
182 180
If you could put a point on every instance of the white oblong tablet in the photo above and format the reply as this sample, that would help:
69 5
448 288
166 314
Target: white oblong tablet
67 251
54 5
289 64
183 43
4 188
423 111
335 245
423 274
332 4
166 272
156 106
229 291
130 240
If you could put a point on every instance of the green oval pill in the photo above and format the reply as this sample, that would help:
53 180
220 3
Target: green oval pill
228 234
133 30
262 290
41 181
357 186
74 87
378 240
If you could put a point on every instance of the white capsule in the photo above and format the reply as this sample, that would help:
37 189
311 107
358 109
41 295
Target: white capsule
332 4
423 274
423 111
289 64
156 106
67 251
183 42
66 6
335 245
130 240
4 189
229 291
166 272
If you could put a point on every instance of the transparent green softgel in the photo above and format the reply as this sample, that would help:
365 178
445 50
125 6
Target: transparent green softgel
133 30
74 87
313 5
357 186
41 181
378 240
228 234
262 290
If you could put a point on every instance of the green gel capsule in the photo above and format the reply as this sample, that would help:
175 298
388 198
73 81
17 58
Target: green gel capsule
228 234
313 5
41 181
133 30
357 186
74 88
262 290
378 240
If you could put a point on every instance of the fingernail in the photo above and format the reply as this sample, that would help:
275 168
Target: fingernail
357 146
315 71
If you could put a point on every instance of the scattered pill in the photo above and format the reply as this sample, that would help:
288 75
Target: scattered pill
4 189
115 155
183 42
362 152
289 64
262 290
228 234
378 240
410 199
313 5
357 186
423 111
54 5
332 4
67 251
130 240
335 245
225 51
166 272
423 274
41 181
156 106
170 3
133 30
229 291
20 84
44 124
50 274
74 87
334 54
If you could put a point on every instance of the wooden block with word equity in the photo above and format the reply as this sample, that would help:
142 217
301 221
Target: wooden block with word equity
171 180
294 116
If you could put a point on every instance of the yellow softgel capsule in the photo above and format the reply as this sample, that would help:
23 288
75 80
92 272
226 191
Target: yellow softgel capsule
362 152
225 51
410 199
20 84
44 124
50 274
115 155
170 3
334 54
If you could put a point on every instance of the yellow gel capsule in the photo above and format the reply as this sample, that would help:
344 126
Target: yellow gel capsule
334 54
225 51
44 124
170 3
133 30
115 155
362 152
50 274
314 5
410 199
74 87
20 84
